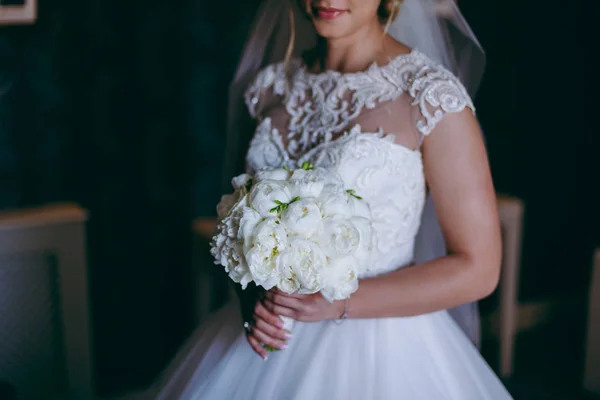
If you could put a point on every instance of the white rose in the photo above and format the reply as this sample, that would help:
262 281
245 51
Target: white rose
310 183
302 217
240 181
339 237
340 279
269 239
279 174
304 261
265 193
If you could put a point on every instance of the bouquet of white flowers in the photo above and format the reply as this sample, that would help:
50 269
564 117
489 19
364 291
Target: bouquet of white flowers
298 230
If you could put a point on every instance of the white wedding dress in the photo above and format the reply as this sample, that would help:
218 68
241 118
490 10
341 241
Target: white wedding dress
367 126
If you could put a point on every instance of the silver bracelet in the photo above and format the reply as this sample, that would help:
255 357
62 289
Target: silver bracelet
344 316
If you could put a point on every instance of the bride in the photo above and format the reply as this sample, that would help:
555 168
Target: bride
381 95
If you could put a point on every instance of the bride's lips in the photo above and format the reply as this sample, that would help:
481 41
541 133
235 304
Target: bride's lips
328 12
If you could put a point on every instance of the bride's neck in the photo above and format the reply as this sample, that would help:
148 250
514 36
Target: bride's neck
352 53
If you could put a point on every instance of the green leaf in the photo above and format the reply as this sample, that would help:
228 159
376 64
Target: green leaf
352 193
307 166
286 167
248 184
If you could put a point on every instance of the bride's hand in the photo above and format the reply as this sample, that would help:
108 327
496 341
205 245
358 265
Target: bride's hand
265 329
302 307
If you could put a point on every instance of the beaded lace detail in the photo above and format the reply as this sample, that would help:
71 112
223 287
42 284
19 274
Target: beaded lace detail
322 104
319 118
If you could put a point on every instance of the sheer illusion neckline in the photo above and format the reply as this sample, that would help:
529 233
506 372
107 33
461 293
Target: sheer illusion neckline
388 138
372 67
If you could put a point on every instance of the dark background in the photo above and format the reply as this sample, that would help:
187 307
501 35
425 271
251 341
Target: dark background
120 106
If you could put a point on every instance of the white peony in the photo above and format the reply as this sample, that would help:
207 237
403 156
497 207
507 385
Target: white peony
339 237
301 231
240 181
279 174
239 271
269 238
287 278
270 233
304 261
241 274
247 226
340 279
302 217
261 263
310 182
265 194
229 253
335 199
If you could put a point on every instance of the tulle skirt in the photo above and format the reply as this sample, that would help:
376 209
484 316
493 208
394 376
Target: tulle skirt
425 357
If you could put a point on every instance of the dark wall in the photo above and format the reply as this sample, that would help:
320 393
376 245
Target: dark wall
119 105
538 128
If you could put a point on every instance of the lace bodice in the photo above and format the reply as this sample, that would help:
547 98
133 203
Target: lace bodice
368 126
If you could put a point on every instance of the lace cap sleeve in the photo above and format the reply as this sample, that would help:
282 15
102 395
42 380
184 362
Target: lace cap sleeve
437 92
268 82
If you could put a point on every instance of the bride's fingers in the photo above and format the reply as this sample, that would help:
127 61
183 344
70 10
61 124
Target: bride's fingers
255 344
267 339
279 310
267 315
274 332
292 295
283 299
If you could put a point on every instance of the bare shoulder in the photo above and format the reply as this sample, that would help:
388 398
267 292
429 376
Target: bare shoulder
392 49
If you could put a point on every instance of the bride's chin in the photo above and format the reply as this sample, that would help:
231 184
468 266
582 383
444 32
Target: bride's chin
330 30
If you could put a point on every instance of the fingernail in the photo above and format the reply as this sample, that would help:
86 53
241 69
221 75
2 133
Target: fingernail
283 347
265 357
287 335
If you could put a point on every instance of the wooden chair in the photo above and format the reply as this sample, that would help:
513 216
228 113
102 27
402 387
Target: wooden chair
45 349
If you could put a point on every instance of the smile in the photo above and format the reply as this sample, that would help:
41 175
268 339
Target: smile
328 13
